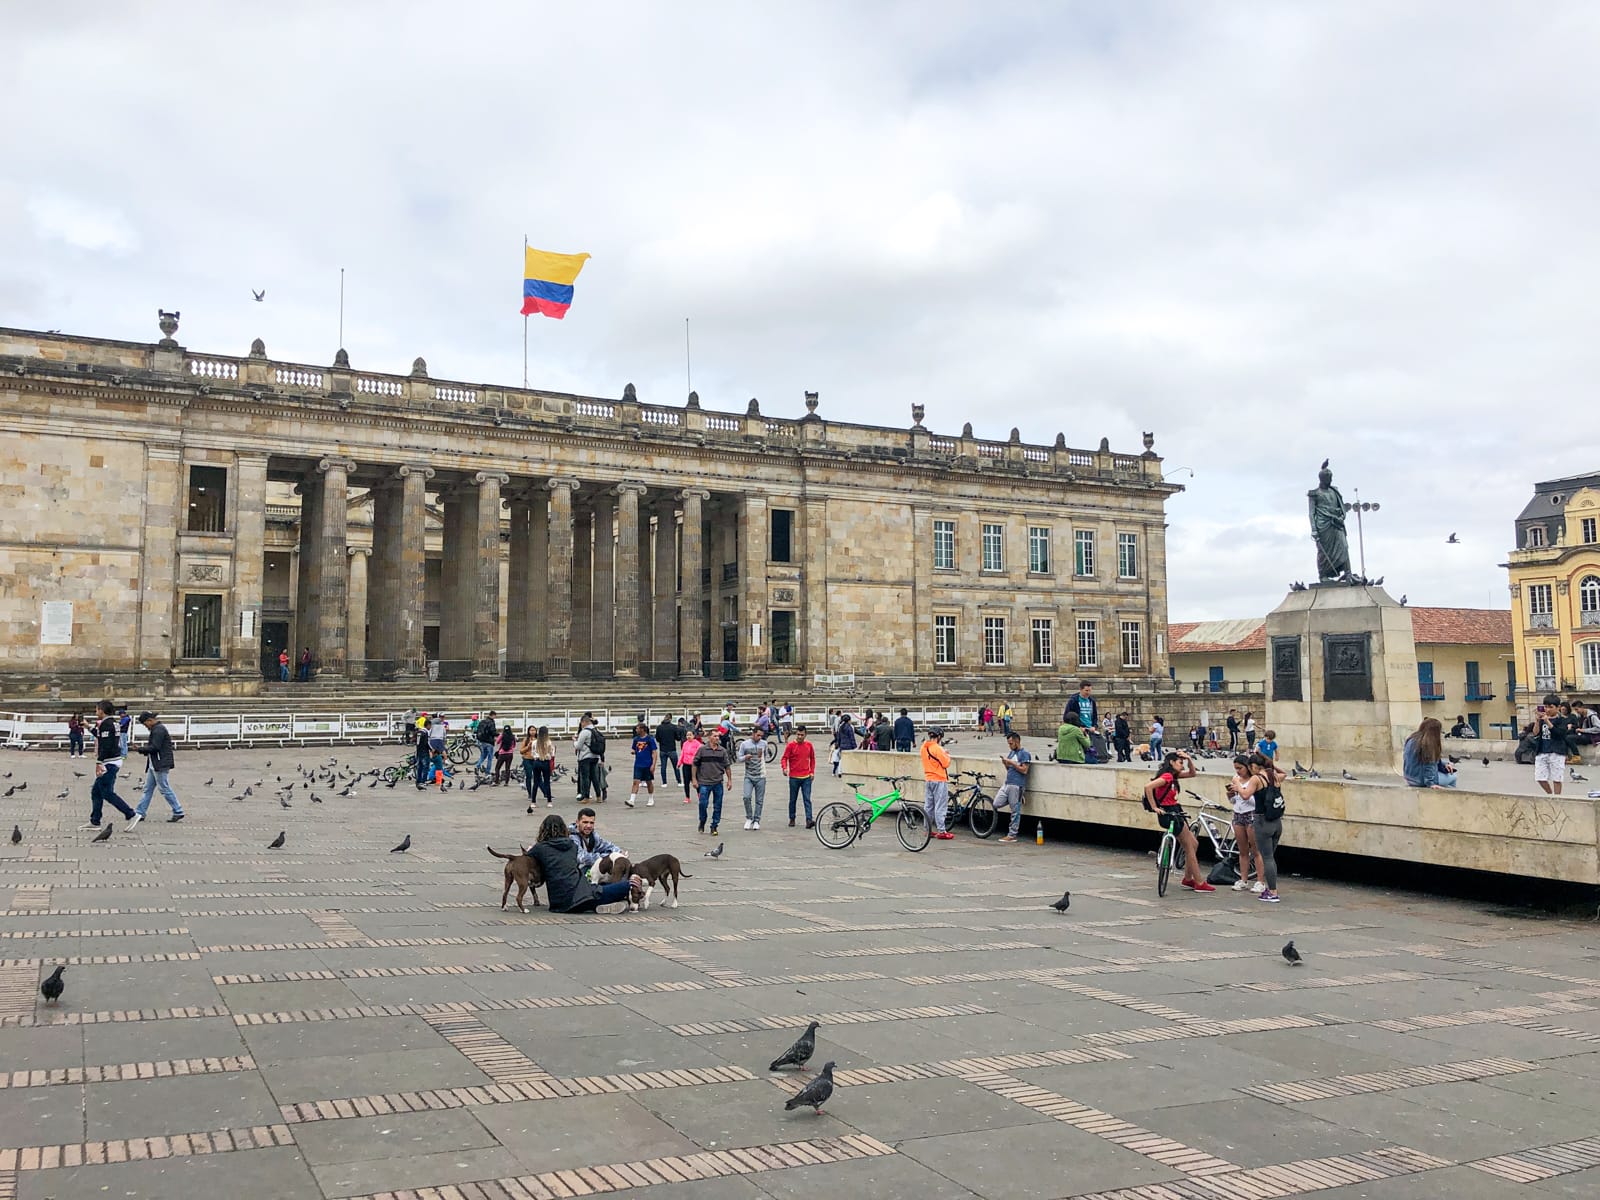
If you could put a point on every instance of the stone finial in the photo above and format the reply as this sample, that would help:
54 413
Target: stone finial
341 360
966 429
168 323
630 395
918 411
1149 441
1061 441
1105 445
1016 436
694 400
419 367
258 349
811 401
753 409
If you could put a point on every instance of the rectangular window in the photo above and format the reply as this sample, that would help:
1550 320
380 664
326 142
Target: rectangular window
994 541
1540 608
202 626
944 547
994 641
1083 552
781 549
944 641
1544 670
1586 529
1039 549
783 648
730 610
1044 642
208 494
1127 556
1132 645
1535 536
1088 643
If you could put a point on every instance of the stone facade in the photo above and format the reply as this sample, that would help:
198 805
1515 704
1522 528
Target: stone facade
197 511
1555 592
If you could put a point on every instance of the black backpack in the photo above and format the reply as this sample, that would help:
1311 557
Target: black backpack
1269 803
597 740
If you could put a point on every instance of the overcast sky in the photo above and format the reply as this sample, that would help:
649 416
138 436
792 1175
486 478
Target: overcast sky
1266 232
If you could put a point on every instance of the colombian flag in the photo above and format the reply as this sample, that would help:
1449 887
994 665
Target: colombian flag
547 281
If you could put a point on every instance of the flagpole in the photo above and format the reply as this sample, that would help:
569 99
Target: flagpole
341 308
688 361
524 326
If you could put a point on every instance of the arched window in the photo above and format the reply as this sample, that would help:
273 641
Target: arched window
1589 599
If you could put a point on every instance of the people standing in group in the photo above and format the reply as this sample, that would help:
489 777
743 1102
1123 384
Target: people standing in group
799 764
691 746
905 732
424 751
505 749
645 751
882 733
108 756
1122 738
1550 745
487 735
75 735
1233 730
669 736
844 738
1072 741
751 755
710 768
1158 735
1017 762
1264 787
1244 832
1422 758
588 758
936 777
159 759
1250 731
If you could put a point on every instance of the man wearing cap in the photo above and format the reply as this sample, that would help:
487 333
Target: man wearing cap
936 770
158 751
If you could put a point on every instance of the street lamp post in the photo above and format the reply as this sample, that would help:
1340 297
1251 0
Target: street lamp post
1358 507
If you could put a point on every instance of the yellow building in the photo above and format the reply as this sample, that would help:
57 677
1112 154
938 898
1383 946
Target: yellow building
1555 589
1464 664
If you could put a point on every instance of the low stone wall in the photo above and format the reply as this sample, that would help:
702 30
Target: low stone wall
1502 749
1546 837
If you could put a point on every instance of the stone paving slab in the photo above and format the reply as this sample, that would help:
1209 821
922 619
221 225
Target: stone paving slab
331 1020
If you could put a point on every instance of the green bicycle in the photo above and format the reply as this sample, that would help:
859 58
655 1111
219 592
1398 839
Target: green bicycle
840 823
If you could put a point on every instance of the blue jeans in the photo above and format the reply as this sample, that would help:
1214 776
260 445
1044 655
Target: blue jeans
152 780
671 756
105 790
283 674
1155 749
485 753
800 789
424 761
711 791
606 893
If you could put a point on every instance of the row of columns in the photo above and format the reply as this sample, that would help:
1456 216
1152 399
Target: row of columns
586 587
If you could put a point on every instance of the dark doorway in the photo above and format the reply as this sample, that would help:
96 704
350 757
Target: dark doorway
274 637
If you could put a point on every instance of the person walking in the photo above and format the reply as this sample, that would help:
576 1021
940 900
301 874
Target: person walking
1250 731
75 736
1122 738
1084 702
1005 718
936 774
691 746
505 750
108 761
485 730
588 757
753 755
710 767
424 754
799 763
844 738
1233 731
1017 762
645 751
542 771
157 750
669 735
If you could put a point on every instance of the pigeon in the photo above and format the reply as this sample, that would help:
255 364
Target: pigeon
1343 774
815 1093
1324 464
16 834
1298 767
1313 774
22 787
1584 778
277 842
800 1053
1403 598
1291 955
211 781
1064 903
284 802
260 296
1486 760
11 791
717 853
52 988
403 846
80 775
104 835
316 799
1452 540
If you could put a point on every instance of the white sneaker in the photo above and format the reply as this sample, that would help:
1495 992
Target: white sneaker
650 803
629 801
1241 886
747 823
1258 886
755 824
86 827
133 823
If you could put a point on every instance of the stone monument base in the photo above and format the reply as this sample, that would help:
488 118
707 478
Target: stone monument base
1341 679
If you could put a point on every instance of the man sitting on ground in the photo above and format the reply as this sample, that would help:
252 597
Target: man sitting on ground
566 886
591 846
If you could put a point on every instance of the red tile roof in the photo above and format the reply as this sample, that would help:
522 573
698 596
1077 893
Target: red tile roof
1429 626
1216 637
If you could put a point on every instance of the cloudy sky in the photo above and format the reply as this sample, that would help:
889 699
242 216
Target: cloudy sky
1267 232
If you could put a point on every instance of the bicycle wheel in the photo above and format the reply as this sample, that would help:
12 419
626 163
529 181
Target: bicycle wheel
911 827
838 824
771 752
981 815
459 752
397 773
1164 857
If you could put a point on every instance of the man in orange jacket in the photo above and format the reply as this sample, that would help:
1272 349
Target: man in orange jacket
936 770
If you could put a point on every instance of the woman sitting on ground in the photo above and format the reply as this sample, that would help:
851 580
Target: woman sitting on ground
1423 757
566 887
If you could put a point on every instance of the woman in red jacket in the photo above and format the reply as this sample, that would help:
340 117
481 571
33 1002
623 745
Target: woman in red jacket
799 763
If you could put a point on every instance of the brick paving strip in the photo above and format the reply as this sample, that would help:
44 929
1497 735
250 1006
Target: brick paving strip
1149 1008
121 1072
17 984
1560 1031
649 1172
1544 1162
46 1017
335 926
869 951
31 898
858 1017
1345 981
1039 974
362 943
77 1154
487 1050
354 1012
380 972
1480 1016
108 912
1286 1179
1171 1033
1387 1081
95 960
23 934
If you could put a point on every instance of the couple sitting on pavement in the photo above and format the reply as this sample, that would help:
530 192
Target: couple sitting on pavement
565 856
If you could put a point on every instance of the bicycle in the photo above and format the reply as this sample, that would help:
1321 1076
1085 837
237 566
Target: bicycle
840 823
1171 853
460 747
968 803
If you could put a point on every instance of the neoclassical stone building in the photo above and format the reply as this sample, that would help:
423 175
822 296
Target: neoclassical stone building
189 514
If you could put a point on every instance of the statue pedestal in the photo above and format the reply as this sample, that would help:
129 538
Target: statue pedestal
1341 679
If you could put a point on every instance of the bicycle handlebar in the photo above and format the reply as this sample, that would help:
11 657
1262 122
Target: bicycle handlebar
1204 803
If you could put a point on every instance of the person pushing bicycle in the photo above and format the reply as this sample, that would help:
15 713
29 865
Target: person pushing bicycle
1163 796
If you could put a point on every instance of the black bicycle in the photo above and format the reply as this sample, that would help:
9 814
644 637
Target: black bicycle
970 803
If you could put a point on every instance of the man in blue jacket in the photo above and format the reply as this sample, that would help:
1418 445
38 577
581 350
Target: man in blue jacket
158 752
905 732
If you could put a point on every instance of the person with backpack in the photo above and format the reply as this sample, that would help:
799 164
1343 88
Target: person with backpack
588 757
505 749
844 738
485 731
1263 786
1164 797
1244 831
668 735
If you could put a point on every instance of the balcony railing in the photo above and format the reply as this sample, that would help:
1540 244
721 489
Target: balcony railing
1432 691
1544 684
1589 618
1479 691
1541 621
730 572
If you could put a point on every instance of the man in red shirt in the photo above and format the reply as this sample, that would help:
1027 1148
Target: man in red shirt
799 763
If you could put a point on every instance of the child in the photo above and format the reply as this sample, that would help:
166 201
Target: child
1269 745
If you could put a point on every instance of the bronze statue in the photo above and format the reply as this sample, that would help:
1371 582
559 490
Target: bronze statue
1327 527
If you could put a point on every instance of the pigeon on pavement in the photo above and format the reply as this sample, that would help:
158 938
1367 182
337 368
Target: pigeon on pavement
815 1093
1064 903
277 842
52 988
104 835
403 846
800 1053
16 834
1291 955
717 853
1346 775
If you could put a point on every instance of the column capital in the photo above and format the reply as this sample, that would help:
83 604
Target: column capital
406 470
628 486
251 457
694 493
352 551
495 477
558 482
335 463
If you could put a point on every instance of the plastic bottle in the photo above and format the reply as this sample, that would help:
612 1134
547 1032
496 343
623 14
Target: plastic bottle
1038 832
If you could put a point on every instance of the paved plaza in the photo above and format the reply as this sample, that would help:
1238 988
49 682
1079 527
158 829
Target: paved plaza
332 1020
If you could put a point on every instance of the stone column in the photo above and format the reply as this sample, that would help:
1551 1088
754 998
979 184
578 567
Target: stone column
751 555
330 602
694 593
665 641
307 587
625 657
535 602
603 605
517 583
582 591
458 574
356 630
647 614
486 628
160 640
557 624
397 580
249 560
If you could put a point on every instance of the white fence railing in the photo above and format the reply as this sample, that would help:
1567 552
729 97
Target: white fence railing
38 731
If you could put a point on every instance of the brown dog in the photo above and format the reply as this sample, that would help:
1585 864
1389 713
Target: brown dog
523 870
664 869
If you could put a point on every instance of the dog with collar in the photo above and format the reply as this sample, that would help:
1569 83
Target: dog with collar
662 869
523 870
